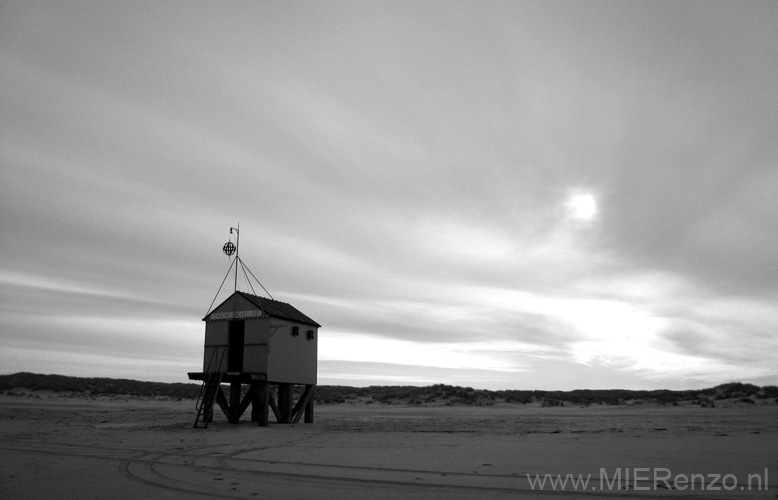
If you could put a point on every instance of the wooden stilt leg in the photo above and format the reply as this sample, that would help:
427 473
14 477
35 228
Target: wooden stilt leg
285 402
259 410
274 407
308 419
248 399
302 404
255 404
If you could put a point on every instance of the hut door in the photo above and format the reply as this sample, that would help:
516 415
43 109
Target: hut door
236 342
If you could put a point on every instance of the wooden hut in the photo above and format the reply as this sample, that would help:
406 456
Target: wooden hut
261 343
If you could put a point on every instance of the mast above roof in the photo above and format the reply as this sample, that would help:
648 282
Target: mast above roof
237 263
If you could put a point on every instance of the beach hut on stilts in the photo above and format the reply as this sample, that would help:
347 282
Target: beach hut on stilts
262 349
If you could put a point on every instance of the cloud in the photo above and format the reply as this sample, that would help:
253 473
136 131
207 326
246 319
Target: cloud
404 175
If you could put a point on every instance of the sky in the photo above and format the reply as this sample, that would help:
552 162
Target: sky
493 194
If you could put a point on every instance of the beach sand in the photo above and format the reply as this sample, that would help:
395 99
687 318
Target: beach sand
53 446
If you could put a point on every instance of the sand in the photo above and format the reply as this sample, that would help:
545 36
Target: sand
128 448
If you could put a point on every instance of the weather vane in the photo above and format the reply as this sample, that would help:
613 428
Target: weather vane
229 248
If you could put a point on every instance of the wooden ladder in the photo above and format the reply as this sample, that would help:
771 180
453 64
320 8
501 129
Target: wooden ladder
207 398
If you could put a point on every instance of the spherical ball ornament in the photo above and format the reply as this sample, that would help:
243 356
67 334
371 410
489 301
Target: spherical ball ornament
228 248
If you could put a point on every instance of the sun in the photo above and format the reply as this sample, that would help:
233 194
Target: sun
582 206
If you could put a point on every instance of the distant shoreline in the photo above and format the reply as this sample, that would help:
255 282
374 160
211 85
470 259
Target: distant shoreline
433 395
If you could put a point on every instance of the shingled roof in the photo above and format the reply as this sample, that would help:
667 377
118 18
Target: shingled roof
279 309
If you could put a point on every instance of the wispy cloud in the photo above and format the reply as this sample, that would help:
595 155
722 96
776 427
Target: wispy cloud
559 194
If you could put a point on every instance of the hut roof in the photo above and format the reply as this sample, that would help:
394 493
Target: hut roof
275 308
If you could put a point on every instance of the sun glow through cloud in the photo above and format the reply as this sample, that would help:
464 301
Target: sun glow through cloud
582 206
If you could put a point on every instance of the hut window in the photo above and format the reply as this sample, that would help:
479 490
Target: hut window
310 334
295 331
